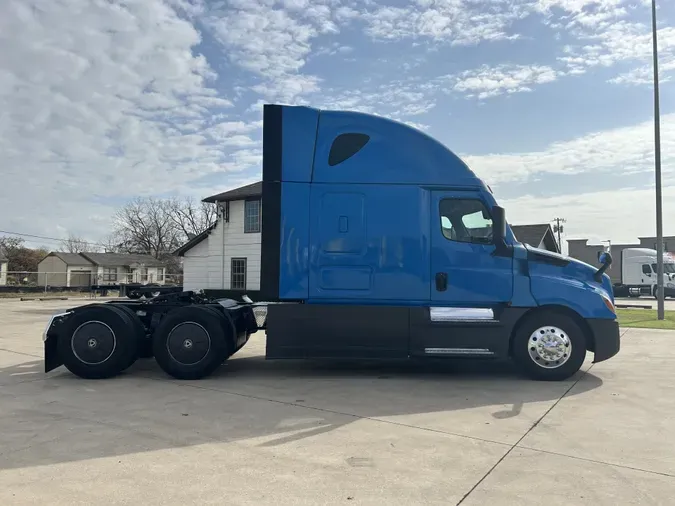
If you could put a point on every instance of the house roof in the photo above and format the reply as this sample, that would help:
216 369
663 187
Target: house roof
194 241
121 259
70 258
241 193
532 234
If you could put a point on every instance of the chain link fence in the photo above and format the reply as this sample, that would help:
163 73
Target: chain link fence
77 280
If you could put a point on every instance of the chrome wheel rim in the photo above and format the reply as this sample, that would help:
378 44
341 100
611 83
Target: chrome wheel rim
549 347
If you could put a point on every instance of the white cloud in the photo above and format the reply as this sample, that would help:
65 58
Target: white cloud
621 216
272 41
622 150
485 81
460 22
99 100
645 74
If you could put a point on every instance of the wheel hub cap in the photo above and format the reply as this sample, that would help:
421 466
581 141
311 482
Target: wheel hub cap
549 347
188 343
93 342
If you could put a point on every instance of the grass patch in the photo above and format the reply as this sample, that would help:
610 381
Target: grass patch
645 319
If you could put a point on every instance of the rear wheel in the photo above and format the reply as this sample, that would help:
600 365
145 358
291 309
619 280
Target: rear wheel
191 342
549 346
100 341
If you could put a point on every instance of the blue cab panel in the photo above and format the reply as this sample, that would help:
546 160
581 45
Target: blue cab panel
368 244
393 154
299 124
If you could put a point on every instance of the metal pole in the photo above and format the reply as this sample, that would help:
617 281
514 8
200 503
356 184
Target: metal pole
657 162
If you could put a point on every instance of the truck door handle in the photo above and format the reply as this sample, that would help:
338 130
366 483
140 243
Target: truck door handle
441 281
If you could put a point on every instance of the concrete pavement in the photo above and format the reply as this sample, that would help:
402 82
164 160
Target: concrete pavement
264 432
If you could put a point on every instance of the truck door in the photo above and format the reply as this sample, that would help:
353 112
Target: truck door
465 272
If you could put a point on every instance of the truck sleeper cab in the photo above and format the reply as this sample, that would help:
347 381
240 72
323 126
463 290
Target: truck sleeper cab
384 244
378 242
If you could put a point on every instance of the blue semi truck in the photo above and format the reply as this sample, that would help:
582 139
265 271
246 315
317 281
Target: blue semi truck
378 242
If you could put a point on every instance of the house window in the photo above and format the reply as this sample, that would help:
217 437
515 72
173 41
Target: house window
144 274
238 274
160 274
110 274
251 216
465 220
345 146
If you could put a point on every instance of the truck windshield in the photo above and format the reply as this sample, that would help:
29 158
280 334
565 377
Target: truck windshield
667 268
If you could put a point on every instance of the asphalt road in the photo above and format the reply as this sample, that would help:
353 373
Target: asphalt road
301 433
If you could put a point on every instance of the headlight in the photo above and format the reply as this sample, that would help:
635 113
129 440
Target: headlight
608 303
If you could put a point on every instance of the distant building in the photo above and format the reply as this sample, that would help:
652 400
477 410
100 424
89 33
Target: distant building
539 236
590 253
3 270
86 269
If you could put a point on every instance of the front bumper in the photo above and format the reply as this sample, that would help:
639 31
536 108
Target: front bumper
606 338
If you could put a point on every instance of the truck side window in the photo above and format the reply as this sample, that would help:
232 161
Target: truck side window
646 269
345 146
465 220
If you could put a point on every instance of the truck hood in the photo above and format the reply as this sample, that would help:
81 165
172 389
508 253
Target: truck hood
569 267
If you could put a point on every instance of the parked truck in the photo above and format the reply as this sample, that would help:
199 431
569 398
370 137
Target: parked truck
638 273
378 242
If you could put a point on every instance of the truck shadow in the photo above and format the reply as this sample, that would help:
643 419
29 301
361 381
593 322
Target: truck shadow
57 418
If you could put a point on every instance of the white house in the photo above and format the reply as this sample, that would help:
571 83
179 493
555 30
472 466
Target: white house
226 257
86 269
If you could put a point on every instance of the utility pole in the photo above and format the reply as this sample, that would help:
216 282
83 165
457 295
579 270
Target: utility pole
657 171
559 229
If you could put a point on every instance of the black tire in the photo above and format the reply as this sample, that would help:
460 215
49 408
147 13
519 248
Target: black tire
191 342
144 340
111 342
551 326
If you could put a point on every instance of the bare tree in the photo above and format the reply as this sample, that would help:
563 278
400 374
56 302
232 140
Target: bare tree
112 243
76 244
157 227
191 218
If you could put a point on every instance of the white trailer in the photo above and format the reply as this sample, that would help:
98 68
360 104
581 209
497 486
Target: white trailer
639 273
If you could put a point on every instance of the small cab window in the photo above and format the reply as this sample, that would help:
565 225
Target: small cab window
646 269
465 220
345 146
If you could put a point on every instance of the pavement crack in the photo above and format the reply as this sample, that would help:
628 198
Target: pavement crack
534 425
21 353
594 461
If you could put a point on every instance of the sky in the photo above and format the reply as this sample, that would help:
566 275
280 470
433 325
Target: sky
549 101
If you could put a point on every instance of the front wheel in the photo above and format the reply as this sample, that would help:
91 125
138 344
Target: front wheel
549 346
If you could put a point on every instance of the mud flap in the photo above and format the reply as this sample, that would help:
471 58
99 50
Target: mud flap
52 357
50 338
